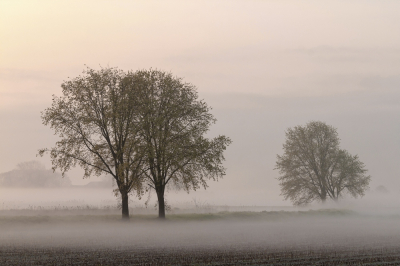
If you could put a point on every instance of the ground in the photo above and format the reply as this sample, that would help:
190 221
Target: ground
326 237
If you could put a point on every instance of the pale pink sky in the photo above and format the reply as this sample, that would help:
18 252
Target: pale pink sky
221 46
263 65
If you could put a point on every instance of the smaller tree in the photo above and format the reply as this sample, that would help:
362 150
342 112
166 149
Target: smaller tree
313 167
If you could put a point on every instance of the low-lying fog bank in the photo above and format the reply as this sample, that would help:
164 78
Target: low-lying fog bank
26 198
82 217
241 230
48 218
91 198
78 198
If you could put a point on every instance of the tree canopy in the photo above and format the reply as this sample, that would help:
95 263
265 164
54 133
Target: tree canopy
313 167
173 129
96 119
146 129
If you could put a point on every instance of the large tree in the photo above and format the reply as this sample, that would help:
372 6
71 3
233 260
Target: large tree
97 121
313 167
174 124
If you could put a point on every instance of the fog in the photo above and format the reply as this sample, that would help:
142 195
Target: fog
273 232
91 222
366 124
263 67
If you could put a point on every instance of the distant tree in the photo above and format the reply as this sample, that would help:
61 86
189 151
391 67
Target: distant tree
33 174
173 128
381 189
97 122
313 167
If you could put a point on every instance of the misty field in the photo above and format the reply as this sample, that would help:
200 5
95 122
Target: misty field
95 237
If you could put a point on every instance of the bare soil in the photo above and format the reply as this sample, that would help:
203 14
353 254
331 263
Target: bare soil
69 256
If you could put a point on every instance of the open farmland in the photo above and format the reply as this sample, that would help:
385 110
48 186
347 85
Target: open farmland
325 237
68 256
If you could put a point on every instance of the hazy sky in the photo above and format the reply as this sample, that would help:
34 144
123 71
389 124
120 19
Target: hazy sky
263 66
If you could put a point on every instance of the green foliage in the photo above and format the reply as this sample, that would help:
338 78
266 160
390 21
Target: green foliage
144 128
174 123
313 167
96 119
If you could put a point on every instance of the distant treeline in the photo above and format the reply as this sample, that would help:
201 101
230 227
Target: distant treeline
33 174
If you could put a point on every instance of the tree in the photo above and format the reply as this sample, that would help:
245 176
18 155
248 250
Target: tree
381 190
313 167
33 174
174 123
97 122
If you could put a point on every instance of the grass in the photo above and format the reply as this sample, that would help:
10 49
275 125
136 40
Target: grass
20 217
264 215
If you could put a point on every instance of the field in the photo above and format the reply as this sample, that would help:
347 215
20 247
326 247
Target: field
76 237
70 256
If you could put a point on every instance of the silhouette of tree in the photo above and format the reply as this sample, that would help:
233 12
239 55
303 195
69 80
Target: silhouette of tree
313 167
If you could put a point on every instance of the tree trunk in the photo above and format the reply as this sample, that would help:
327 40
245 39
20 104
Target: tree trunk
161 204
323 195
323 198
125 207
